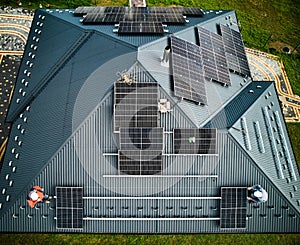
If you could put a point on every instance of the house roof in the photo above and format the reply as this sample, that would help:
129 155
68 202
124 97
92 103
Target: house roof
68 139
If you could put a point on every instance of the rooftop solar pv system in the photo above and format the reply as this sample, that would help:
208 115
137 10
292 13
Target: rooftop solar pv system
233 207
235 52
69 207
139 130
135 105
187 71
213 56
195 141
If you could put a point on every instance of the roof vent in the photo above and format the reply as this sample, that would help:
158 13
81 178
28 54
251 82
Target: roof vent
166 55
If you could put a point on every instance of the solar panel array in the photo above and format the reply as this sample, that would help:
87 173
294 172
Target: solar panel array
141 138
235 52
187 11
187 71
136 105
195 141
233 207
140 162
213 56
146 27
146 15
69 207
113 18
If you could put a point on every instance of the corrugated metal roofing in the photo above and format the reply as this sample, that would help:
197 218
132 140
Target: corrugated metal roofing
69 128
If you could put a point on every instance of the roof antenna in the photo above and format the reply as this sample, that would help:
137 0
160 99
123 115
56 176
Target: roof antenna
125 78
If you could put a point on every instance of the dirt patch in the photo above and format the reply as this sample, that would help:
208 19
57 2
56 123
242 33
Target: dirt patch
279 45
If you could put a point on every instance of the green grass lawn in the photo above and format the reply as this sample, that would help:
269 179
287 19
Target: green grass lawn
262 22
273 239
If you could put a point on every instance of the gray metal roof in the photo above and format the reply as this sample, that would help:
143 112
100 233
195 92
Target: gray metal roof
70 126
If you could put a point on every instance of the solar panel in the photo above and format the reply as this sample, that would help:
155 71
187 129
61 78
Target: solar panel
140 162
136 105
102 18
80 11
192 11
213 56
233 207
195 141
235 52
69 207
141 139
146 27
187 71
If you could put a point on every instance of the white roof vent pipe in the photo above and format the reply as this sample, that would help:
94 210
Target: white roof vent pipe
166 56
